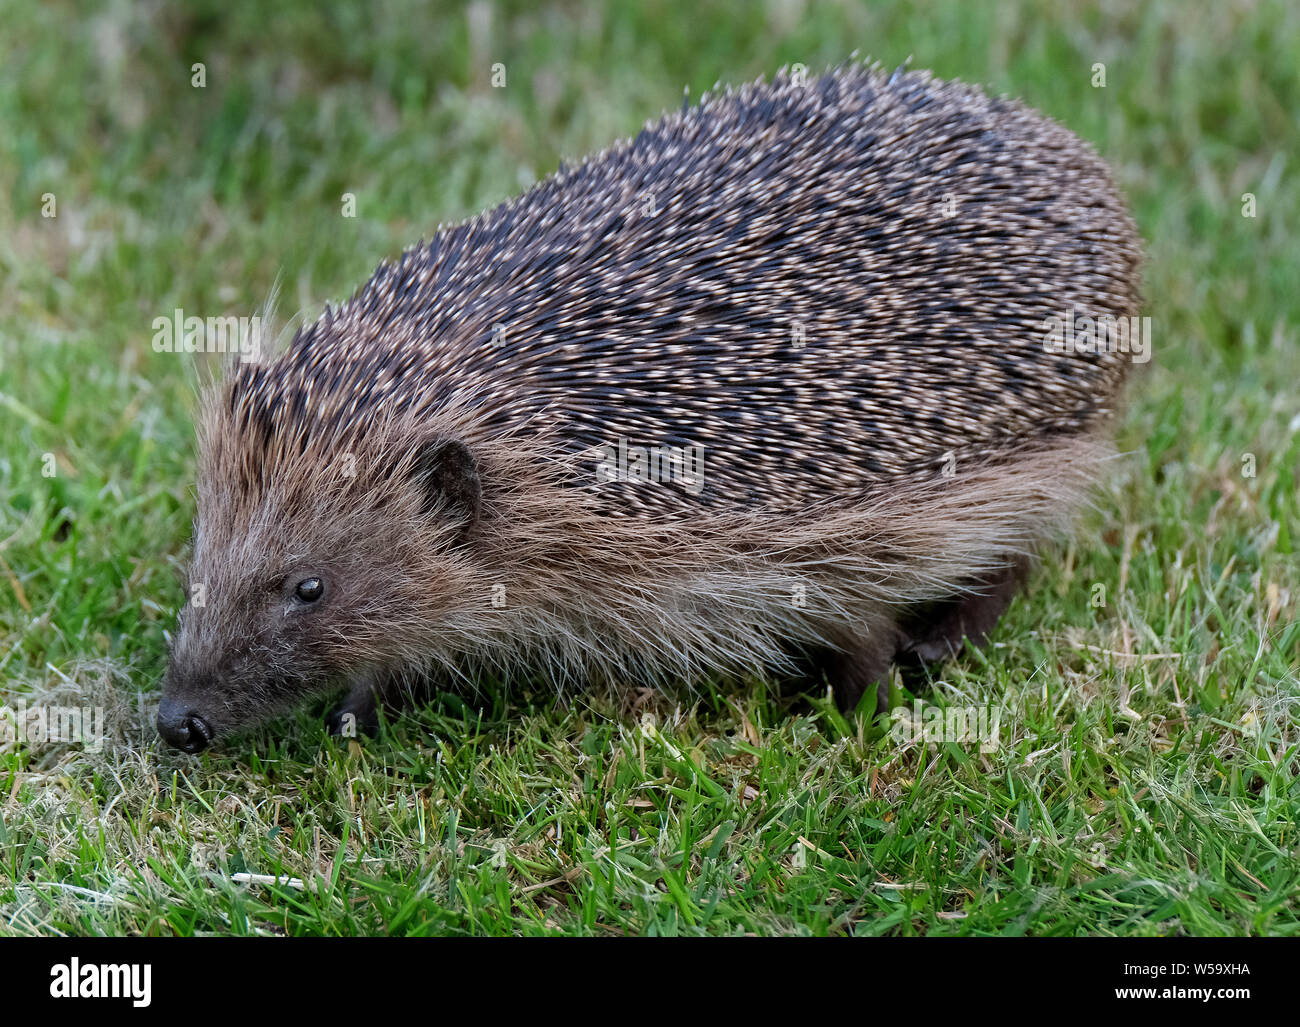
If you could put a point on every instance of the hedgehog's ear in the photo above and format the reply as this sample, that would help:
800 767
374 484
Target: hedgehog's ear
447 474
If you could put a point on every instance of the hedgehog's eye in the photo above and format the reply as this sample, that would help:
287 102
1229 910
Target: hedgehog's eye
310 589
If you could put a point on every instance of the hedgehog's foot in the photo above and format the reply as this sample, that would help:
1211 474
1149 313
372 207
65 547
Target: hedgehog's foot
863 663
938 634
359 713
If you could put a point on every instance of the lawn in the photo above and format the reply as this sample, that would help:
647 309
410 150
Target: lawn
1145 780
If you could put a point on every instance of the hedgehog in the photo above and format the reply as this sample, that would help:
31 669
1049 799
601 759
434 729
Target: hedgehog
767 389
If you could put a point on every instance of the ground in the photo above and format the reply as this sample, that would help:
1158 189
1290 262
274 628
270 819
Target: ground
1144 779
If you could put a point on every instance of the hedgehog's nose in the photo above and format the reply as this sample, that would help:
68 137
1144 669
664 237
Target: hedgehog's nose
181 726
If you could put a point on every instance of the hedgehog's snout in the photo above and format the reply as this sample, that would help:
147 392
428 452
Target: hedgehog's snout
181 726
184 712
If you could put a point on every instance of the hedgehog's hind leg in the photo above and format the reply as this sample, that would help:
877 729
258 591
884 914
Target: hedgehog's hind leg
934 633
937 634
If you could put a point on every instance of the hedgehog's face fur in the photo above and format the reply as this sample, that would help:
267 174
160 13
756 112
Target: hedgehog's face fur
320 579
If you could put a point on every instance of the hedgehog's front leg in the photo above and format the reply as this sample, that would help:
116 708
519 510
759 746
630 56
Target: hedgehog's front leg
359 713
864 661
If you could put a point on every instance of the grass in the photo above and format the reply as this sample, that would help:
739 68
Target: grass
1146 777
